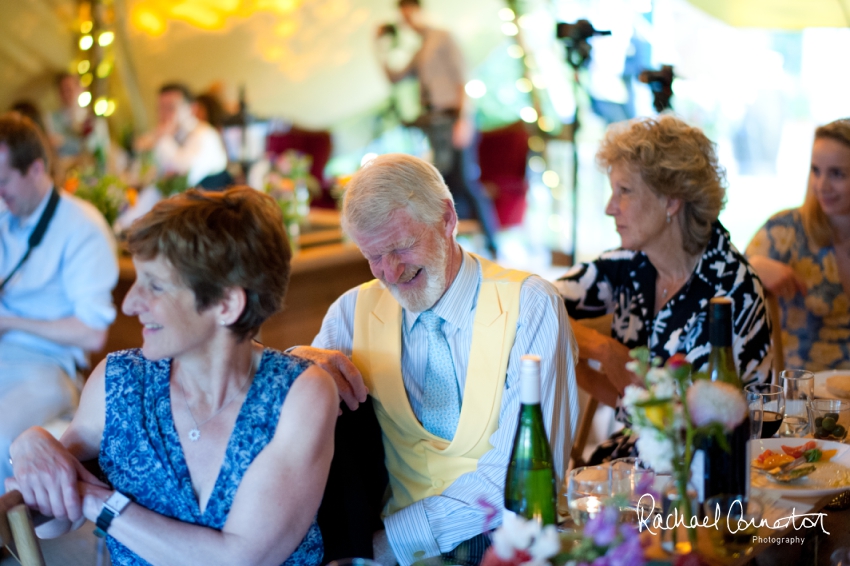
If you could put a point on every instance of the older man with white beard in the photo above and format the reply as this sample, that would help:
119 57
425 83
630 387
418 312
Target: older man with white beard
436 341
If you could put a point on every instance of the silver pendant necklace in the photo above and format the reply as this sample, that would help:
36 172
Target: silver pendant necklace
195 433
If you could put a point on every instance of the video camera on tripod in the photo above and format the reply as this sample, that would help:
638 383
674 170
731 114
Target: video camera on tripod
575 38
661 84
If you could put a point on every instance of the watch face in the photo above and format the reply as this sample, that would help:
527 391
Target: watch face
117 501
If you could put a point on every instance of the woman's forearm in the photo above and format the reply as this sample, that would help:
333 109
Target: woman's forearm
163 541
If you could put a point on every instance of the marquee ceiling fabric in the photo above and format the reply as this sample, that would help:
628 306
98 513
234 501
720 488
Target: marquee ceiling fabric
779 14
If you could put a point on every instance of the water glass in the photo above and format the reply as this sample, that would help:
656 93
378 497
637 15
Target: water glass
587 487
631 479
756 407
773 406
799 388
737 520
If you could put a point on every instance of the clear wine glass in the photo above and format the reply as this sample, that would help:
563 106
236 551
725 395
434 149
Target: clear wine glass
631 479
773 406
587 487
799 387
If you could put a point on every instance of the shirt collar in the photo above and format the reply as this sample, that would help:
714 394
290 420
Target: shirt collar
31 220
457 303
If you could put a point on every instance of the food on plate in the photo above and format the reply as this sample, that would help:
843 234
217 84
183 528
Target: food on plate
805 460
839 385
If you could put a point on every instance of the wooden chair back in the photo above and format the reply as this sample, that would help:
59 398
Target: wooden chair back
17 533
775 314
602 325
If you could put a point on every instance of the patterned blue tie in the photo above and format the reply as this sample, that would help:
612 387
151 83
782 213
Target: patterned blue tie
441 397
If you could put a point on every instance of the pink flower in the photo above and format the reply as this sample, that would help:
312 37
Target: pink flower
716 401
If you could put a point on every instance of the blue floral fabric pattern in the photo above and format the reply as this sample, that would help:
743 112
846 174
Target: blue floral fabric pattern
815 327
622 282
142 457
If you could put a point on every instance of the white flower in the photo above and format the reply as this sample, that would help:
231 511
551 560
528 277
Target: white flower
546 545
656 450
716 401
664 389
516 533
634 394
658 375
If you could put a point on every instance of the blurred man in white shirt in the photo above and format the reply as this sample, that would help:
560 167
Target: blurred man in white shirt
182 144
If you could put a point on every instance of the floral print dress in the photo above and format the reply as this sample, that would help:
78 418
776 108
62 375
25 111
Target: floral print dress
142 457
622 282
815 327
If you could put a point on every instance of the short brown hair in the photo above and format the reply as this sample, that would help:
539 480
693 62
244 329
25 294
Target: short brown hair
218 240
178 87
25 141
815 223
676 161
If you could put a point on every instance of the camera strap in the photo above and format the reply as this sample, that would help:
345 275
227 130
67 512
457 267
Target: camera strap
37 234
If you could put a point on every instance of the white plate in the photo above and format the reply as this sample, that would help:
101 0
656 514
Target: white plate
813 485
820 383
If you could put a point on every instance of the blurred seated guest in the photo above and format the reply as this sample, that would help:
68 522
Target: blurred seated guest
437 339
803 256
208 109
31 111
217 448
184 145
55 290
74 129
667 192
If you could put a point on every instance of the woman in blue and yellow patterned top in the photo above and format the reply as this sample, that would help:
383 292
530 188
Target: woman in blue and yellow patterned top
802 255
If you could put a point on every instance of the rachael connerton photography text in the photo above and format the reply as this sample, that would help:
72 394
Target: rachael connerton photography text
734 522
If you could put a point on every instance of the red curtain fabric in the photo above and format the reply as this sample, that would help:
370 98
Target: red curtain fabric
502 155
314 143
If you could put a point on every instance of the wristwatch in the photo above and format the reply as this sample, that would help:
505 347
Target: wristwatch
113 507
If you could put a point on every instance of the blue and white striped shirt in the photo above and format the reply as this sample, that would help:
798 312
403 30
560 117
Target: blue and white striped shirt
438 524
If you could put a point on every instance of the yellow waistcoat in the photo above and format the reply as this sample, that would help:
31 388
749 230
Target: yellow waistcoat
421 464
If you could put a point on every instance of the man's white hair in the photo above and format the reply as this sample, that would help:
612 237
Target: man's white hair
392 182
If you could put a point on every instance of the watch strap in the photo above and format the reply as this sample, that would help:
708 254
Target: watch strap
113 507
103 521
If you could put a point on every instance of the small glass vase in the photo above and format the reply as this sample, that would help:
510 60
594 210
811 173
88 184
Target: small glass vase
677 512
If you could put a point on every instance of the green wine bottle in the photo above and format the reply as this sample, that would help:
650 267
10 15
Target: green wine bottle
725 471
530 482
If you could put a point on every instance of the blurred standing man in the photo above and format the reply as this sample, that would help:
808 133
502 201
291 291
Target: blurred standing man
55 292
439 66
437 338
184 145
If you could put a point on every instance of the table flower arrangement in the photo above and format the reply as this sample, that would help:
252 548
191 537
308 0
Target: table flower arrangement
673 412
290 183
109 195
604 542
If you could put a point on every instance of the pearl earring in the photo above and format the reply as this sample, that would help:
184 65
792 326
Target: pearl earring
224 322
668 218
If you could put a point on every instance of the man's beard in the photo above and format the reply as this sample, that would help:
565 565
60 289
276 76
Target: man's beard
418 300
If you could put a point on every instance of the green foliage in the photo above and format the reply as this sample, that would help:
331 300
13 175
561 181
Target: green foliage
172 184
106 193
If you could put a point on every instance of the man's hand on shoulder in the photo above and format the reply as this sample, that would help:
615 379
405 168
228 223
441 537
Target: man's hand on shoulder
348 380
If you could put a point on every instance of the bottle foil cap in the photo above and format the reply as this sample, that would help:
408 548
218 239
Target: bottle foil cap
529 380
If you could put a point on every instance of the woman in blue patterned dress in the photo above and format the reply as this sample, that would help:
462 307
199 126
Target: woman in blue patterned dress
803 257
221 446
